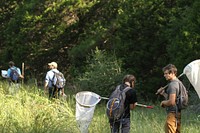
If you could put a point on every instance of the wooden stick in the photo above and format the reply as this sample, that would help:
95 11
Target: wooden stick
162 88
23 73
137 104
145 106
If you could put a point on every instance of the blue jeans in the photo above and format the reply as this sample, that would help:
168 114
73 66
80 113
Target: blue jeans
122 124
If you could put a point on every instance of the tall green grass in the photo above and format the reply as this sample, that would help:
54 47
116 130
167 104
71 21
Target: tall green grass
30 111
145 120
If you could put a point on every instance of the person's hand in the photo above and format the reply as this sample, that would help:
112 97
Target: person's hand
21 76
162 104
160 91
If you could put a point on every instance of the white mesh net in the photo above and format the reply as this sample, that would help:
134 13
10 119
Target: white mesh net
192 71
85 106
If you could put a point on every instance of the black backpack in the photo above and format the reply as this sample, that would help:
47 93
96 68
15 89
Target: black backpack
14 75
115 105
182 97
58 80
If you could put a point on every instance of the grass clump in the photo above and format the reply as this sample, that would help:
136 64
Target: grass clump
28 112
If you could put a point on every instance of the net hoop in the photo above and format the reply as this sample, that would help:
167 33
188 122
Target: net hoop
87 99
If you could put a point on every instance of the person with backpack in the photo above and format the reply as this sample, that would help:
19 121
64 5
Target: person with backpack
14 75
173 120
52 83
119 119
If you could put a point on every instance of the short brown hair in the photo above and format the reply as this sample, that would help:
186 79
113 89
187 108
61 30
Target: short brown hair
171 68
11 63
129 78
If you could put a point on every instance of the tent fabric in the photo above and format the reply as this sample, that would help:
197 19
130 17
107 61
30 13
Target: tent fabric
192 71
85 106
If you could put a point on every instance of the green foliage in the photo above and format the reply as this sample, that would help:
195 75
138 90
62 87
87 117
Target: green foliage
144 34
40 28
184 35
142 120
102 73
140 41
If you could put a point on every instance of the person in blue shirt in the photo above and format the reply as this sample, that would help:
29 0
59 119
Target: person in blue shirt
48 85
14 73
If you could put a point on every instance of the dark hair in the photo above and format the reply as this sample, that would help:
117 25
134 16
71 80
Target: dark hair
11 63
129 78
171 68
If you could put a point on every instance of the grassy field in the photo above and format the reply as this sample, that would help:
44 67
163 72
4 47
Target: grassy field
146 121
30 111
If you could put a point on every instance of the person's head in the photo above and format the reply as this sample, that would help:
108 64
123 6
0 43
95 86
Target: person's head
129 79
11 63
53 65
170 71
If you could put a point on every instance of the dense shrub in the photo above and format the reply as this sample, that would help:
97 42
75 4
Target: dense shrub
102 73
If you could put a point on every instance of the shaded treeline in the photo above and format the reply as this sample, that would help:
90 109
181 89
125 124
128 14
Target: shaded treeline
141 35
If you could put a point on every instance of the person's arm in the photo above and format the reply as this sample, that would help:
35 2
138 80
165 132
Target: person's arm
170 102
132 106
161 92
133 99
8 75
46 82
165 95
62 91
45 86
20 74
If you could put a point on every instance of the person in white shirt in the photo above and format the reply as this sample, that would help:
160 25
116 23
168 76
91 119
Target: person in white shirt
49 81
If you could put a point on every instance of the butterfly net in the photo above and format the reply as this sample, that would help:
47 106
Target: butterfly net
192 71
85 106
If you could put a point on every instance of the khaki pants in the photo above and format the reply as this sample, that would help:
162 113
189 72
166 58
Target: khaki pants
173 124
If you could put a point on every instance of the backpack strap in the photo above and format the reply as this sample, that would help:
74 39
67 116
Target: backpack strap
124 90
127 89
53 75
53 78
14 69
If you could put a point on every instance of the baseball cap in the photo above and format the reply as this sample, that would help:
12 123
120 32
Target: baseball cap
53 64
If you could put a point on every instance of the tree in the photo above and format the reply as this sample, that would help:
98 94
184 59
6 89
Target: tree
102 73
